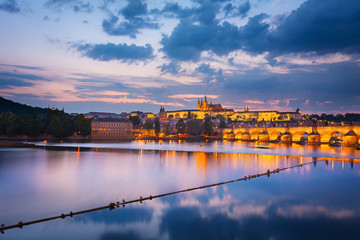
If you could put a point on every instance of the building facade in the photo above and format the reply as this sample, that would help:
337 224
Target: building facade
204 108
111 128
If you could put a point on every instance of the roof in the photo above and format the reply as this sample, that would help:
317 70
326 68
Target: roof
111 120
185 110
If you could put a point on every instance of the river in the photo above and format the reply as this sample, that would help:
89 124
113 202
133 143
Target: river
317 200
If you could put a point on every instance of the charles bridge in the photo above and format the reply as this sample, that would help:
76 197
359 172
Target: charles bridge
315 135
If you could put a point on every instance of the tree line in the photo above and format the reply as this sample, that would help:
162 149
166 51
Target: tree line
55 122
348 117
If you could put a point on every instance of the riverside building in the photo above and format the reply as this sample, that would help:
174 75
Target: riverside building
204 108
111 128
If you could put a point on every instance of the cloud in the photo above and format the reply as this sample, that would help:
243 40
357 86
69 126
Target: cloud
210 74
10 6
310 90
114 27
22 67
110 51
188 40
75 5
191 96
136 17
317 26
244 8
172 68
8 79
254 101
133 9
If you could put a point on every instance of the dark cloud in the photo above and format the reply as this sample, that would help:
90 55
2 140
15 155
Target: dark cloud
316 26
172 68
8 79
134 8
335 83
22 67
188 40
243 9
9 6
136 17
22 76
114 27
228 8
75 5
210 73
176 11
110 51
205 13
321 26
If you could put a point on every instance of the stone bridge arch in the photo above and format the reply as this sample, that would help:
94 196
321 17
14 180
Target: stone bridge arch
297 134
324 133
275 132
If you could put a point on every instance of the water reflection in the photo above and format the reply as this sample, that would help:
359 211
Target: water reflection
38 183
222 147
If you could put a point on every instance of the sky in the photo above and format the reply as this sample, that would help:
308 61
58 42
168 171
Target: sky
128 55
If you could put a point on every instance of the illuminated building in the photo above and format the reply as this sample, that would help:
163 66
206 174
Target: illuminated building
204 108
111 128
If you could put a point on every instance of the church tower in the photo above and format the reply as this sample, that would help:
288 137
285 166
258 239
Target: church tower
162 114
198 105
206 104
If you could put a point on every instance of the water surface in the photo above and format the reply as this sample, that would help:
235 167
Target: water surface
314 201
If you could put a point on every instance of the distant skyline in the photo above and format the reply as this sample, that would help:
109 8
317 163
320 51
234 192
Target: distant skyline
121 56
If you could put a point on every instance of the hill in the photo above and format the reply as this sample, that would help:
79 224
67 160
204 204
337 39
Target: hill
18 108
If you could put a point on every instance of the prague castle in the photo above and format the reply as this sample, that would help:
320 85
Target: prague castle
204 108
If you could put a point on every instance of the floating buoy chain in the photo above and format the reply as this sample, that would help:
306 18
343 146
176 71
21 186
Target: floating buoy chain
113 205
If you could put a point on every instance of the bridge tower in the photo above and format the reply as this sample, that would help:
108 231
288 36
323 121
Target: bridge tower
350 139
245 136
286 137
314 136
264 136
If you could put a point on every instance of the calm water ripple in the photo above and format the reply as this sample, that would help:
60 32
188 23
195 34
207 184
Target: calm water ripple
309 202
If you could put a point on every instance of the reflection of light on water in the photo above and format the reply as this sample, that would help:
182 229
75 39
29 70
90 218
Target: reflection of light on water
342 164
332 165
78 155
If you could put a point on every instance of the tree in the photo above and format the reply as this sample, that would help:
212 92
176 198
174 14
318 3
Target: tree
157 127
148 125
167 129
82 125
135 120
194 127
55 127
33 126
208 126
15 126
180 126
222 123
67 127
